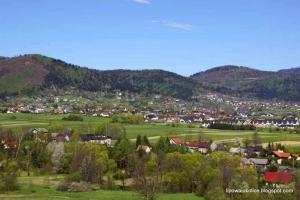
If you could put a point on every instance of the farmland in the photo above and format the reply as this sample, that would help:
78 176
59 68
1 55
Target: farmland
152 130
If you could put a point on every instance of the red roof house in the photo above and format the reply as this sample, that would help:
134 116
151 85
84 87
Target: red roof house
198 144
177 141
281 154
201 146
279 177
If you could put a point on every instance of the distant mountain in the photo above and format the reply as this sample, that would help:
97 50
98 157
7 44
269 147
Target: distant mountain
37 74
32 74
244 81
291 70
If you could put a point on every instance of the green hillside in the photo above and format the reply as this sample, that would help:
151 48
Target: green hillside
36 73
243 81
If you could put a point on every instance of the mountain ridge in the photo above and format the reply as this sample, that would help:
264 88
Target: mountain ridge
36 72
252 83
33 73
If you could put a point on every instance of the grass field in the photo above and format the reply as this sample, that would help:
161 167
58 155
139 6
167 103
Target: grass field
153 131
37 188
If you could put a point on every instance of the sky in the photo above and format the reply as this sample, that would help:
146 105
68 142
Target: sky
182 36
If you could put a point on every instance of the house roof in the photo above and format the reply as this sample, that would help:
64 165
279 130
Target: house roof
259 161
284 168
198 144
281 154
236 150
177 140
279 177
245 161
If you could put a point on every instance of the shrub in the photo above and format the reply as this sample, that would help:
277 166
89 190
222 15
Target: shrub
191 126
74 187
8 177
79 187
74 177
232 127
128 119
73 117
63 186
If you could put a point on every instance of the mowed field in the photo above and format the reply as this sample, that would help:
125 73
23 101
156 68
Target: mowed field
153 130
44 188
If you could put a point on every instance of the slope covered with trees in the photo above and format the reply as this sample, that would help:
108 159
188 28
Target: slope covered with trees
243 81
34 73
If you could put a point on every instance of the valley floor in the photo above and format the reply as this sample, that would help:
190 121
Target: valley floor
43 188
152 130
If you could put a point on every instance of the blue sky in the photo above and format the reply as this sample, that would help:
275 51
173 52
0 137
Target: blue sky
183 36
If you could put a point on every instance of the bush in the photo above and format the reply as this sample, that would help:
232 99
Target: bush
12 117
8 177
128 119
73 117
231 127
75 187
191 126
79 187
175 124
74 177
63 186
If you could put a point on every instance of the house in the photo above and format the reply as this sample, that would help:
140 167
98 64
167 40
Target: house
260 164
98 139
144 148
38 130
278 177
256 161
176 141
222 147
254 149
284 168
60 137
236 150
8 144
151 117
280 155
296 156
38 134
209 122
104 114
201 146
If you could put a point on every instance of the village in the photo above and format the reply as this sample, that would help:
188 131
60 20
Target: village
221 109
270 161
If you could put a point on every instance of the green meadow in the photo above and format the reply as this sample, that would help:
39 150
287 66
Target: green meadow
152 130
44 188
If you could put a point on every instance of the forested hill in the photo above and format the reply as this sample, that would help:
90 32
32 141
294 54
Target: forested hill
34 74
244 81
291 70
30 74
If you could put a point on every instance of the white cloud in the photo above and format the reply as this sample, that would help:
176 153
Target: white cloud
181 26
142 1
176 25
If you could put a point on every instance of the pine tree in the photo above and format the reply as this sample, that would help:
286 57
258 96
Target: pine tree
146 141
138 141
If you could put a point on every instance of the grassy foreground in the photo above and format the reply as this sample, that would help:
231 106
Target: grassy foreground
43 187
40 192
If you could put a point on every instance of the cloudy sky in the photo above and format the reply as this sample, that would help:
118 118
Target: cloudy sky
183 36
